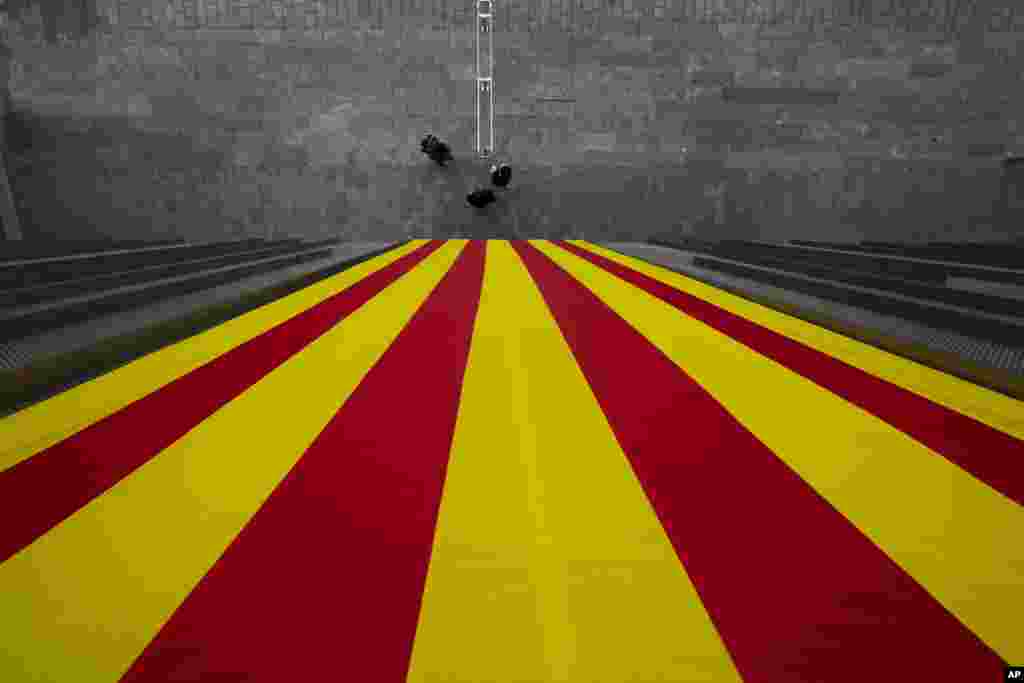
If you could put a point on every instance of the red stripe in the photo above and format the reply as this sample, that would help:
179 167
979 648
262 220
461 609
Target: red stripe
40 492
325 581
993 457
795 590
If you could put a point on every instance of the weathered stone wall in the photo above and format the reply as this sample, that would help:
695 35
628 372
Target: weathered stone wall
621 122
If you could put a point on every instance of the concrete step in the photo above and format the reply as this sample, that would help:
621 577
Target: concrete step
1004 330
963 354
48 270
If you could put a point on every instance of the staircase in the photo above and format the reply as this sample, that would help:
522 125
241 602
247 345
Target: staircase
47 292
957 307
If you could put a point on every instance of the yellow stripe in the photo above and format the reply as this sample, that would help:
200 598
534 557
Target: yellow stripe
956 536
82 602
44 424
549 563
994 409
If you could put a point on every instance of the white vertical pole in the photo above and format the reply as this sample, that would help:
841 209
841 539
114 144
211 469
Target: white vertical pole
485 77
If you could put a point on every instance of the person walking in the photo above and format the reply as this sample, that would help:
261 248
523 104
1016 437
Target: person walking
501 174
480 198
437 151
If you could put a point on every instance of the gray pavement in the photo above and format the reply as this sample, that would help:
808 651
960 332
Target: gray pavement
1006 358
22 352
686 114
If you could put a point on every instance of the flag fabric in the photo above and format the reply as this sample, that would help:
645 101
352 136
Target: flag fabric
471 461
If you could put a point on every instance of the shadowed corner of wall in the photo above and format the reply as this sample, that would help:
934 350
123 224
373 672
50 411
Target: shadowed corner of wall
11 224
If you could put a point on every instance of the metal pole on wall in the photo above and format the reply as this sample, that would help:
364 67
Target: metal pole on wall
484 79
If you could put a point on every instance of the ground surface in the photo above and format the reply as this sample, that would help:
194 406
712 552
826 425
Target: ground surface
512 462
820 120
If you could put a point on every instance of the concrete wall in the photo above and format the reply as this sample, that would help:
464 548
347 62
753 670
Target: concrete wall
621 121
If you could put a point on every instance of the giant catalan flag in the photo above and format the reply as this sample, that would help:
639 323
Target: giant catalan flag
512 462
